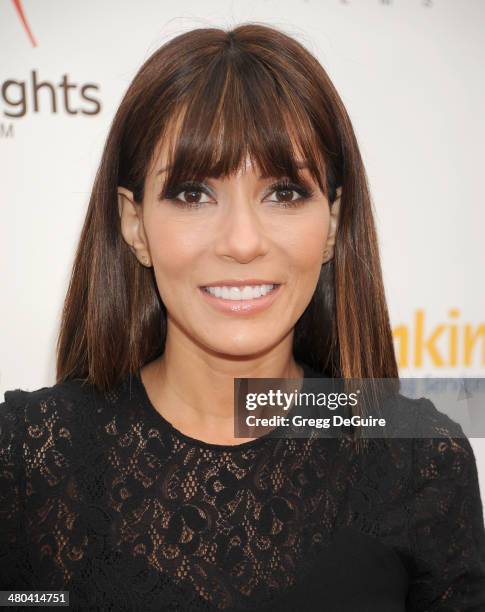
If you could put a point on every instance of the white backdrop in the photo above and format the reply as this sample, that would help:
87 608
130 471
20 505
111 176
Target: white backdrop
411 75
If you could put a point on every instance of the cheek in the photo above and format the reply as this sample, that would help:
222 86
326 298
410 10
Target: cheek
173 246
304 240
174 253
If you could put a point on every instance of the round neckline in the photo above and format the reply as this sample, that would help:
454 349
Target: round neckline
308 372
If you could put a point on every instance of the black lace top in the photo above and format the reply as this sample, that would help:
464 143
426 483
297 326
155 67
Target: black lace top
100 496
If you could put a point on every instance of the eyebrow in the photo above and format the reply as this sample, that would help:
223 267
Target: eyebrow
300 164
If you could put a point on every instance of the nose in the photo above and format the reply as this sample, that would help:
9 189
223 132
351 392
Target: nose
241 234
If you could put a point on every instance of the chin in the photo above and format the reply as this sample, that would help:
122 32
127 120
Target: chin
244 344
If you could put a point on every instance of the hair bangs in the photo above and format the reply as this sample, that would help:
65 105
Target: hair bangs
238 114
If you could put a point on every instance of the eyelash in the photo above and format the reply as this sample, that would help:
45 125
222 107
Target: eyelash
194 186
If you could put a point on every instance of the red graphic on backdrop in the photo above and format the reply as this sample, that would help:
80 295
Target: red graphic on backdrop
20 12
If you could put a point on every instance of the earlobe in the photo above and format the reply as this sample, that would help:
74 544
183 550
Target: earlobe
332 230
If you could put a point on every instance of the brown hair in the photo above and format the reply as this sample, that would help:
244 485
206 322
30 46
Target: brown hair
248 91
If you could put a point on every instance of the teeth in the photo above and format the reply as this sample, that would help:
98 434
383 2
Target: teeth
240 293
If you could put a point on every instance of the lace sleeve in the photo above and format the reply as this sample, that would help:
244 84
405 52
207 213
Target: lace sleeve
447 529
12 546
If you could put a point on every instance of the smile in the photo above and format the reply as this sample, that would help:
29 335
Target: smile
248 292
242 300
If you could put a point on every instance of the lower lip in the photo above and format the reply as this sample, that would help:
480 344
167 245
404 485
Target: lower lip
241 307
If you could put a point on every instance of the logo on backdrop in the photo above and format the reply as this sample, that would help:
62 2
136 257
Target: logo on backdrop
34 94
23 20
452 343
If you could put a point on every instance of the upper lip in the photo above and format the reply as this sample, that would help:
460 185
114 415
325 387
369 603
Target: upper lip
233 282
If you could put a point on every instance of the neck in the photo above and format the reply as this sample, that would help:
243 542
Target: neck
194 389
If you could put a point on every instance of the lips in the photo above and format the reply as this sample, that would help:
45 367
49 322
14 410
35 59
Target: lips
234 282
239 303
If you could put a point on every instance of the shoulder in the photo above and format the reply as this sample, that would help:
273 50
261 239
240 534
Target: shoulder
50 433
442 452
418 418
430 446
34 421
446 524
70 388
442 460
36 433
40 404
73 411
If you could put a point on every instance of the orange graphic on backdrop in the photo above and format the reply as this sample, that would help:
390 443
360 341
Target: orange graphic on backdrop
20 12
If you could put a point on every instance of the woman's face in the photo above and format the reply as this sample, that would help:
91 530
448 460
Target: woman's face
226 230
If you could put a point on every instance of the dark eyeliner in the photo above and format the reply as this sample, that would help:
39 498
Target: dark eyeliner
286 185
304 192
190 185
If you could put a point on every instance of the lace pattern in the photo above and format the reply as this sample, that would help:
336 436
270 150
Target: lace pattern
100 496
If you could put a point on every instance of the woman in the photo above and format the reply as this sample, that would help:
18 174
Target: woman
231 162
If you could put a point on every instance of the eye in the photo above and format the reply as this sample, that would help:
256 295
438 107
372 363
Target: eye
287 189
192 191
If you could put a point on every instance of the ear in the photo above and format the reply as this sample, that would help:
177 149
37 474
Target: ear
132 226
332 231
